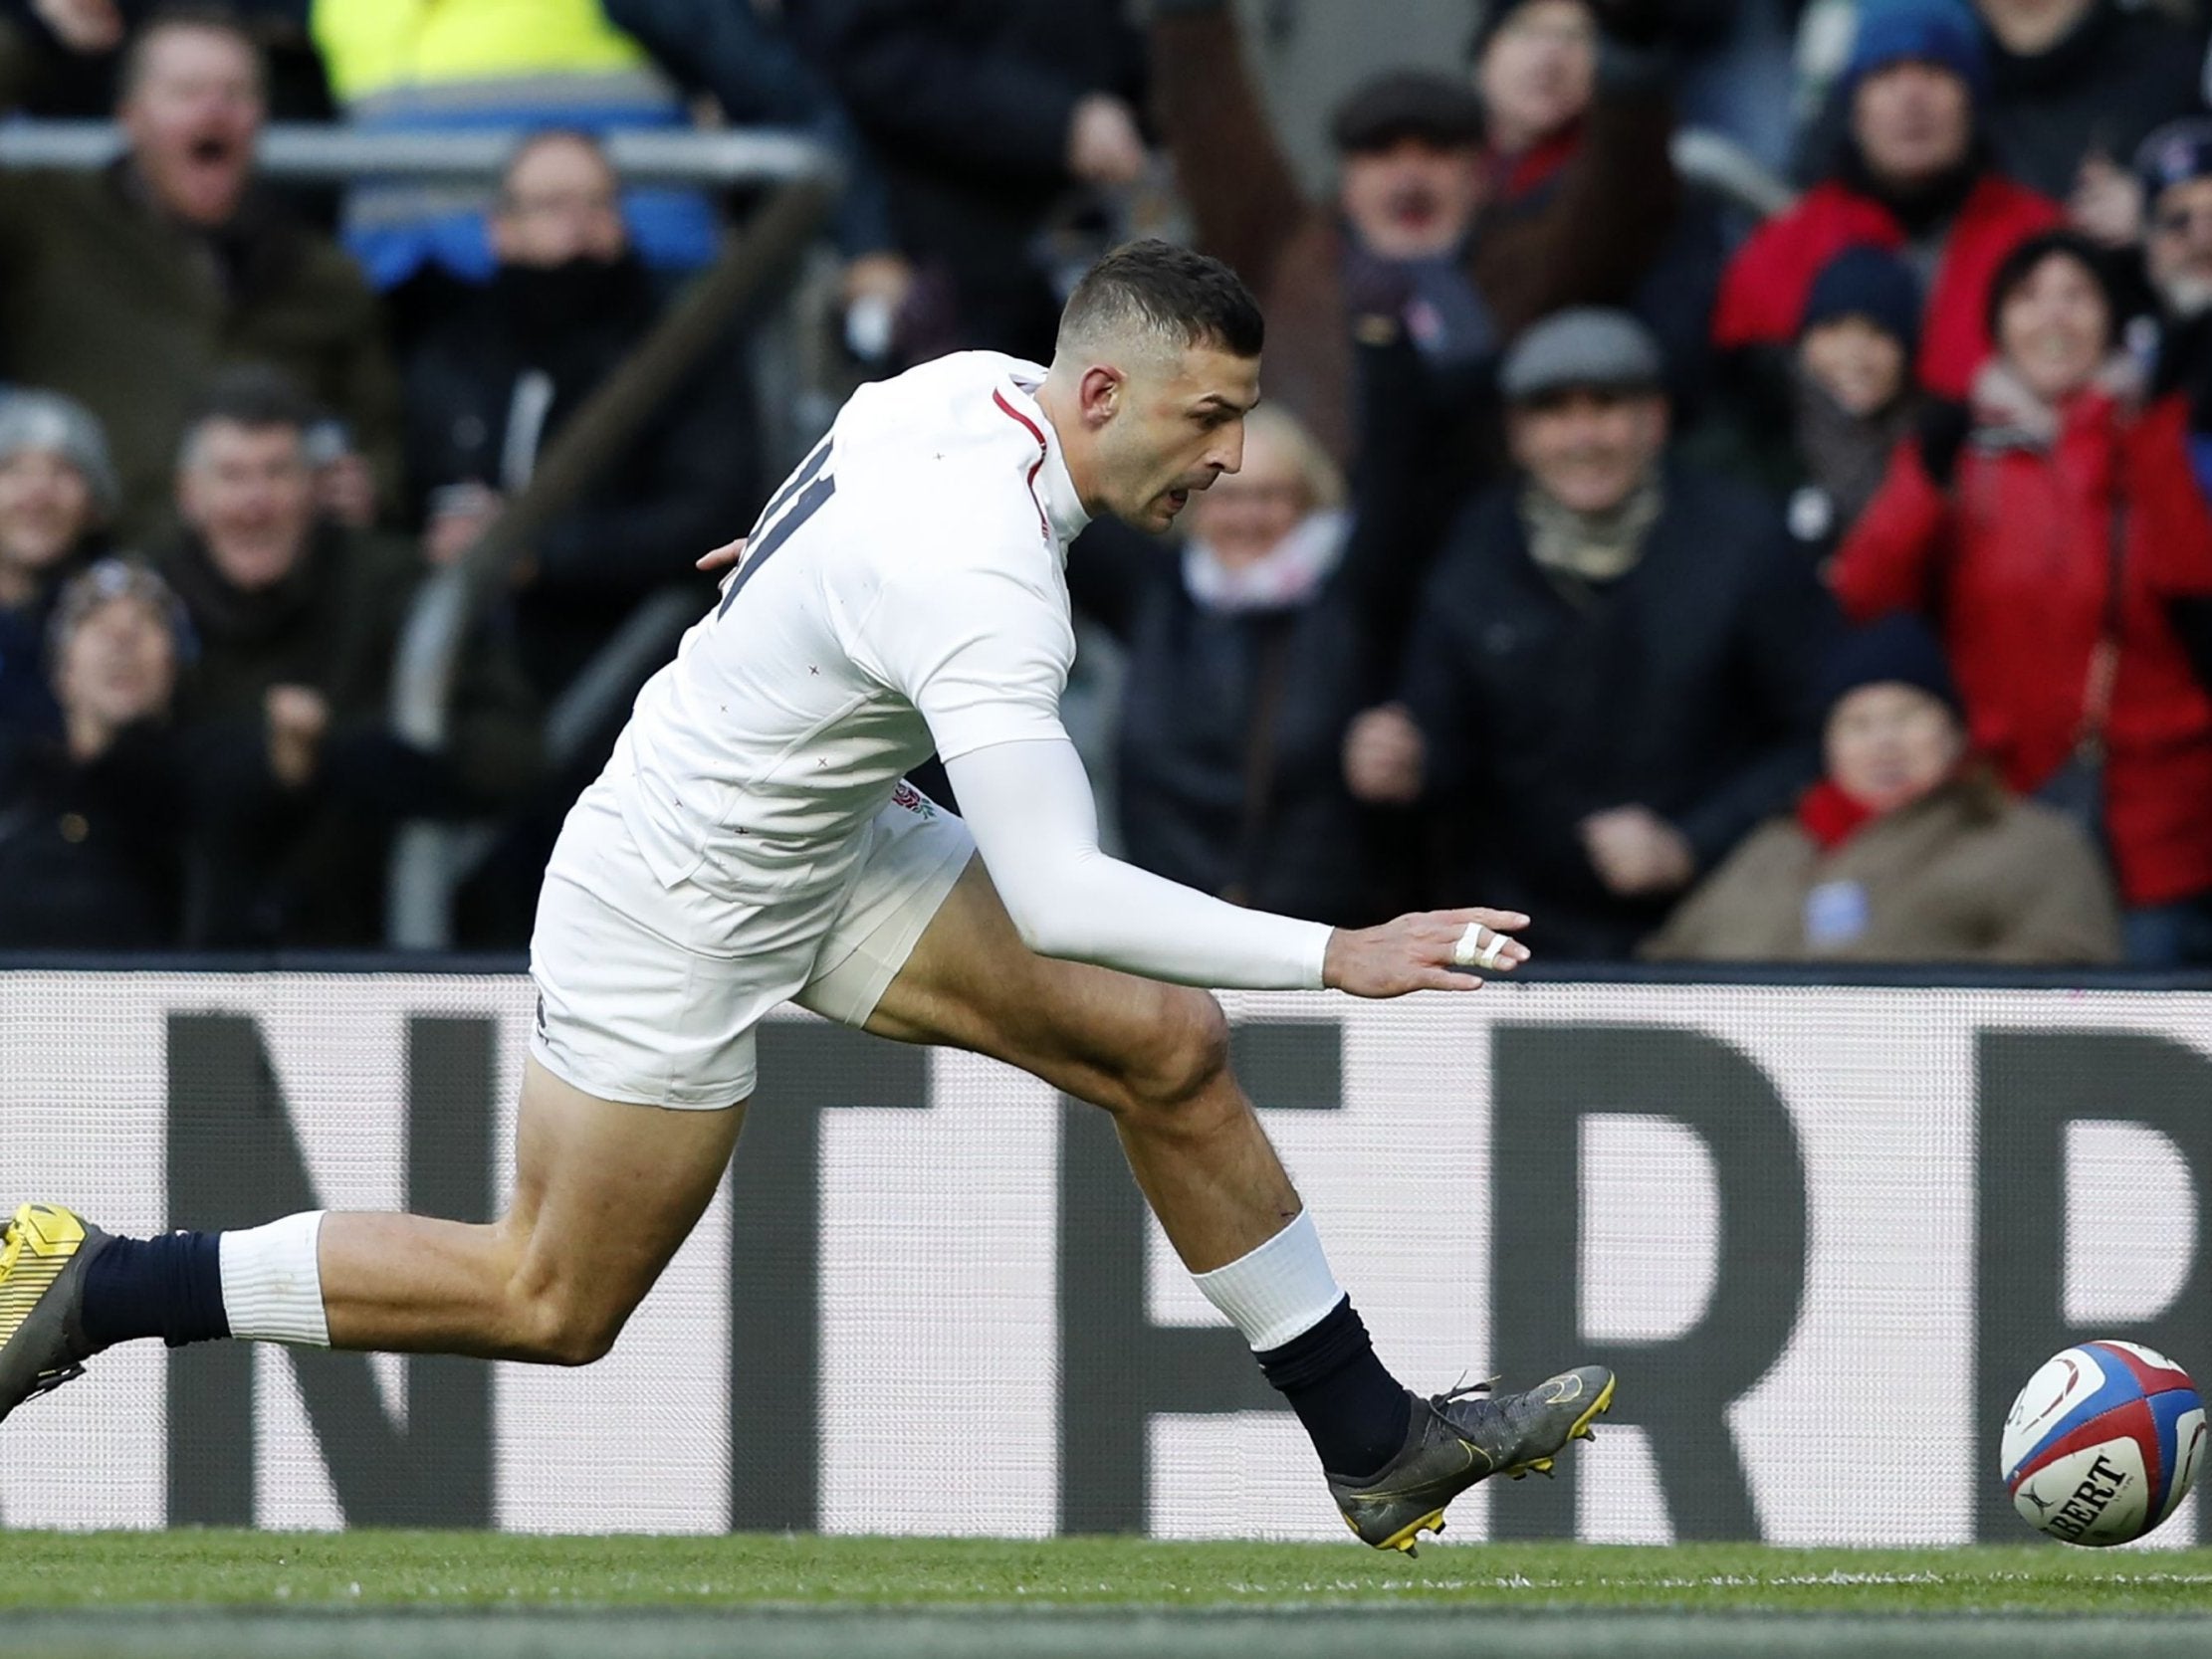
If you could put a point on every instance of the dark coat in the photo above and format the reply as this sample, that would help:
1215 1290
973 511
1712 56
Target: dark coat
102 300
688 483
968 104
1682 687
313 874
1201 690
2103 88
92 854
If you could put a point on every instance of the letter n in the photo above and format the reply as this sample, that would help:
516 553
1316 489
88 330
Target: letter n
236 1161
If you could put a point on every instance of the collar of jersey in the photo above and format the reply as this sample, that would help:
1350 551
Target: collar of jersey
1063 507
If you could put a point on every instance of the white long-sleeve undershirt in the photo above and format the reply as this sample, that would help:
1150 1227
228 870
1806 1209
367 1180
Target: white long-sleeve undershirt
1030 808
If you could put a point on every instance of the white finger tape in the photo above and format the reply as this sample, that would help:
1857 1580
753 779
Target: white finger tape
1478 947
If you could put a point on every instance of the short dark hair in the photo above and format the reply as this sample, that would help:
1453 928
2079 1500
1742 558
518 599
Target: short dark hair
257 396
2019 265
1168 291
203 15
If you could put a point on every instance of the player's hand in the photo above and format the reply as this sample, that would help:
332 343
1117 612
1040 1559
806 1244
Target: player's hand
1384 756
1637 853
1103 144
1430 950
723 557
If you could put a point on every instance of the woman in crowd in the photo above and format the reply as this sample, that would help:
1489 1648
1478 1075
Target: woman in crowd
1907 850
57 492
1245 668
93 822
2055 531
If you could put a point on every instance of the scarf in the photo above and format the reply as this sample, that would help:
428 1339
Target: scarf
2008 415
1590 546
1283 579
1830 816
1845 455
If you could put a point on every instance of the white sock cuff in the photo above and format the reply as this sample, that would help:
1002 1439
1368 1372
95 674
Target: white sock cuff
273 1282
1279 1291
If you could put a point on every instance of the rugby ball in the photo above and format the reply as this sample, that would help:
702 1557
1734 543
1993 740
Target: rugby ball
2104 1443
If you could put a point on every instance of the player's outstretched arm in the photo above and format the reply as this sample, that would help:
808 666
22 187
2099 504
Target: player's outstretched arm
1030 810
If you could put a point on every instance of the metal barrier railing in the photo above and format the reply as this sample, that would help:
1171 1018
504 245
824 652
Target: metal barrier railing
429 860
312 153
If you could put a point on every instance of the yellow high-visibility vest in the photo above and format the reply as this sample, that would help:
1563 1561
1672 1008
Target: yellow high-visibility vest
377 47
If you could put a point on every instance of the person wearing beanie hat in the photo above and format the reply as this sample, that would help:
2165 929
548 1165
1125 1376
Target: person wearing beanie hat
1909 175
1907 849
95 819
1455 221
2173 175
58 494
2056 531
1851 390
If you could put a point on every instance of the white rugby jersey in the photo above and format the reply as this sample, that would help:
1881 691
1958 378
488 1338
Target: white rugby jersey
903 591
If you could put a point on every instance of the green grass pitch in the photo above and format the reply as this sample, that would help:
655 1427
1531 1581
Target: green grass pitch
363 1569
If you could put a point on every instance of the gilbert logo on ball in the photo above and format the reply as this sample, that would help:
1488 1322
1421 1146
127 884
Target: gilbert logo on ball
2104 1443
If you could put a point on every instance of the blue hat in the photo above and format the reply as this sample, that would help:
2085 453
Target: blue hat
1898 650
1869 283
2177 152
1940 32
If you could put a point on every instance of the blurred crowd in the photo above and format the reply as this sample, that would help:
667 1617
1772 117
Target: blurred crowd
1819 573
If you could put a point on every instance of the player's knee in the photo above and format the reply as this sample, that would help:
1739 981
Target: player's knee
1181 1056
558 1323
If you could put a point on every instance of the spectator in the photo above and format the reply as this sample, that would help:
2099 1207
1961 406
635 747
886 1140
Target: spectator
409 66
299 620
1853 391
1608 687
990 118
126 289
502 373
2174 181
2058 532
57 492
1908 851
1912 176
1581 187
2075 85
93 820
1244 666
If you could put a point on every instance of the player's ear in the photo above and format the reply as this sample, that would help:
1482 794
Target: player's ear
1101 390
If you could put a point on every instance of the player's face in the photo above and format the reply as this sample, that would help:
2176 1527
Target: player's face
1180 425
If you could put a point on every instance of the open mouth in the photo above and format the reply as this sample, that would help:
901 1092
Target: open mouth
1177 500
211 151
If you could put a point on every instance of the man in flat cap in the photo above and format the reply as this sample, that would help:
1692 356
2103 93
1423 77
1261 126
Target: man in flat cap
1608 684
1461 215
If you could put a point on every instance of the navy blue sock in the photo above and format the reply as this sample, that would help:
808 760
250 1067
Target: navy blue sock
1356 1412
169 1286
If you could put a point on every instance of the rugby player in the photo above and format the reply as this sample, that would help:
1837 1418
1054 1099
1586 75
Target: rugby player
753 840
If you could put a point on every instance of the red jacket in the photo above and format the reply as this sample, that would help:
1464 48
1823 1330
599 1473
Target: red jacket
2015 558
1763 292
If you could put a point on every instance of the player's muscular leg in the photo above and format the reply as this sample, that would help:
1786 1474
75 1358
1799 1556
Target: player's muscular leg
1155 1056
604 1192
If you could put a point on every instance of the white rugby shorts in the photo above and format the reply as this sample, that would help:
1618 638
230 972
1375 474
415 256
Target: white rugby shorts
649 993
